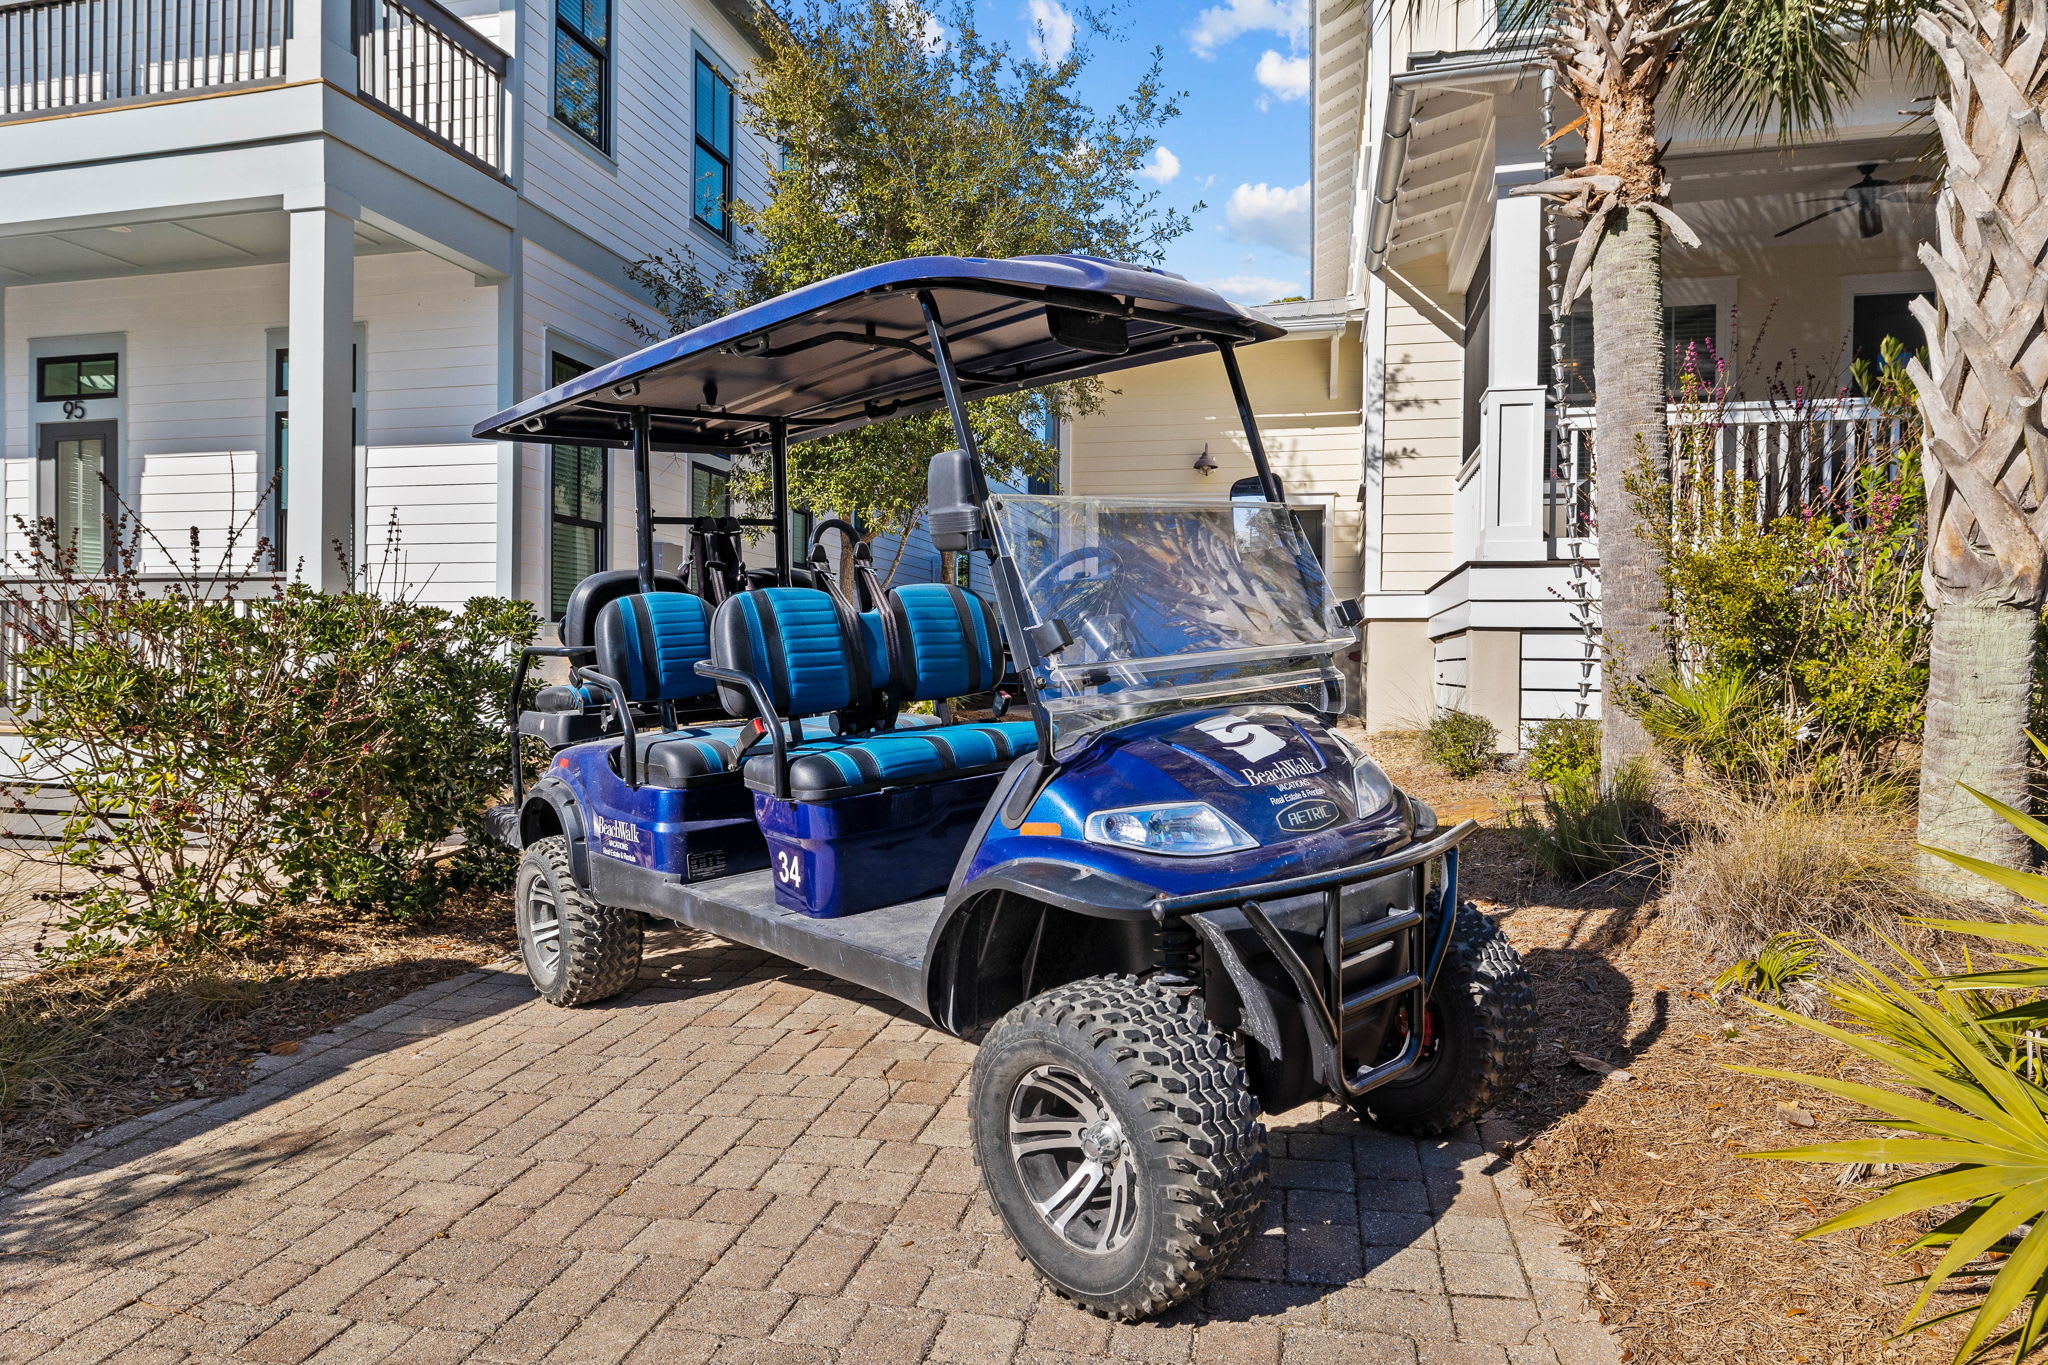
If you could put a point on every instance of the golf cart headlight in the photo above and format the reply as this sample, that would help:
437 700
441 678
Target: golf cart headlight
1187 829
1371 786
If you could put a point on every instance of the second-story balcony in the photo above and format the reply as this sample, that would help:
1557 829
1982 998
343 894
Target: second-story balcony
413 59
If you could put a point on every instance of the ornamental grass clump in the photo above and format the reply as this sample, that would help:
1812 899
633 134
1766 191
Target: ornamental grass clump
229 743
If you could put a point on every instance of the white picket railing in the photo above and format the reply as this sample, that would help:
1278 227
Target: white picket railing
1786 459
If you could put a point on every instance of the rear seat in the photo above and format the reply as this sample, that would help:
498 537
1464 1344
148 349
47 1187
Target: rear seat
814 656
651 646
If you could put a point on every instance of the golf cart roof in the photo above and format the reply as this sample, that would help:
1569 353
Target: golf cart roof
853 350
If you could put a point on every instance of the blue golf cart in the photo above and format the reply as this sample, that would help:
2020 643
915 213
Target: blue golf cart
1147 871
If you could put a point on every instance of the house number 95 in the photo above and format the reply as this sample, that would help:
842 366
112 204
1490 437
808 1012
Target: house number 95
73 409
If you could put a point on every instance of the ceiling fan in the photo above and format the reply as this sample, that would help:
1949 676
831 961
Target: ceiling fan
1866 196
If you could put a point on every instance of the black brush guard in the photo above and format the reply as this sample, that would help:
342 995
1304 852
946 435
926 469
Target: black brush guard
1353 995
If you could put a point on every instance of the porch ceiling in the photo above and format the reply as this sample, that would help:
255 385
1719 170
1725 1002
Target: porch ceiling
161 247
1447 146
1744 199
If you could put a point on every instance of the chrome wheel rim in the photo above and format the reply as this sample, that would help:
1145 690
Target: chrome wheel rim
540 925
1074 1159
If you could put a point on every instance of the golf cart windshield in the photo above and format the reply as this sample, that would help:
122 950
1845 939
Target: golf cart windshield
1171 604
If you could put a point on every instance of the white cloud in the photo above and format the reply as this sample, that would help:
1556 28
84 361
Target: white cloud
1285 78
1161 168
1052 31
1270 214
1254 288
913 17
1219 24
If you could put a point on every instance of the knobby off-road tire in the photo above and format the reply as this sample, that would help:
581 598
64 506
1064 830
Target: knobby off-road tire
1117 1072
1485 1033
577 952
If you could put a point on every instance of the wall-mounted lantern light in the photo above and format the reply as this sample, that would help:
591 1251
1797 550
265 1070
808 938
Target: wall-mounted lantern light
1203 463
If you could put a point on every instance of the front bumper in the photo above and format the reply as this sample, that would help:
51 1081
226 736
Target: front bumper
1360 945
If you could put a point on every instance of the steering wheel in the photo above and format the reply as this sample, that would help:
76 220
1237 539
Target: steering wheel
1046 579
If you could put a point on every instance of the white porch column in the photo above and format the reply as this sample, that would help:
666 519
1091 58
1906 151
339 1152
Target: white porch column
321 44
320 471
1512 409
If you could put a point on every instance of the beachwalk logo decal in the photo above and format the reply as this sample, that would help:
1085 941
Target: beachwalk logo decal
617 838
1251 742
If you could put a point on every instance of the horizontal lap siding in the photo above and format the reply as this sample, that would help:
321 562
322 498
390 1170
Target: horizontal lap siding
193 384
1452 672
638 201
1422 429
1553 665
1153 423
196 380
431 375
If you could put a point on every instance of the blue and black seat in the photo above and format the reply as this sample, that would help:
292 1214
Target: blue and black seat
808 654
649 646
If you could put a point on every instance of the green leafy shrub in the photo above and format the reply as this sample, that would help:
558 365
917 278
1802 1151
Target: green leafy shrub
1810 627
231 744
1562 747
1585 832
1786 960
1726 721
1462 744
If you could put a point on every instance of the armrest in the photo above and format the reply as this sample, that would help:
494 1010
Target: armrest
778 742
629 753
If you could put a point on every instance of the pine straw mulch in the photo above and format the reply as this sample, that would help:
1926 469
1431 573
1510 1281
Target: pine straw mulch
88 1046
1692 1248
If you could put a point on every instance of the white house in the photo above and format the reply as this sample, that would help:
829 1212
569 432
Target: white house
1433 397
303 245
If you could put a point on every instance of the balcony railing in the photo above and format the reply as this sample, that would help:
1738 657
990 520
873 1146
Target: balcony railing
1764 460
436 72
63 54
414 59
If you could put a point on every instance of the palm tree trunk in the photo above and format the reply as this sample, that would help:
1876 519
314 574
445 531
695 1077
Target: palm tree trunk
1980 395
1629 436
1982 670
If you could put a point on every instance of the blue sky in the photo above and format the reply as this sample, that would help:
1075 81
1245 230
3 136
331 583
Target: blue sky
1240 145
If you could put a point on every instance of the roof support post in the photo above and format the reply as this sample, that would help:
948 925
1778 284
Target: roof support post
778 456
949 384
1251 423
643 495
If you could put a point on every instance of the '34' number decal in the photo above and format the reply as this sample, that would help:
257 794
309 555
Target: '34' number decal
789 869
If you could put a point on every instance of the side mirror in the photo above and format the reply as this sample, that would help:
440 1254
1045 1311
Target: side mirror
1249 489
950 487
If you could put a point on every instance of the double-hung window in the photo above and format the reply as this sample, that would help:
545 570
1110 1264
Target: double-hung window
712 203
583 61
576 513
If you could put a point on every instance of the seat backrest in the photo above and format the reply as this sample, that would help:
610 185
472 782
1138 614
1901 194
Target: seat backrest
943 642
591 596
807 650
651 644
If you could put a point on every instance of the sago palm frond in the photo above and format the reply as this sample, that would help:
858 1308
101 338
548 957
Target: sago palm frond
1992 1138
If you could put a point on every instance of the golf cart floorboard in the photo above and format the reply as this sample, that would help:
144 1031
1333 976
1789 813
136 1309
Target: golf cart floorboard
882 949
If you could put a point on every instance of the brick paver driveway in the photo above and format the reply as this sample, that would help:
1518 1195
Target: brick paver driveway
739 1161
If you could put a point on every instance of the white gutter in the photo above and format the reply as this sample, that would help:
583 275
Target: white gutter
1451 72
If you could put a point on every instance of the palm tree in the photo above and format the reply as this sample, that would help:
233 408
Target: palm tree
1747 65
1614 58
1980 400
